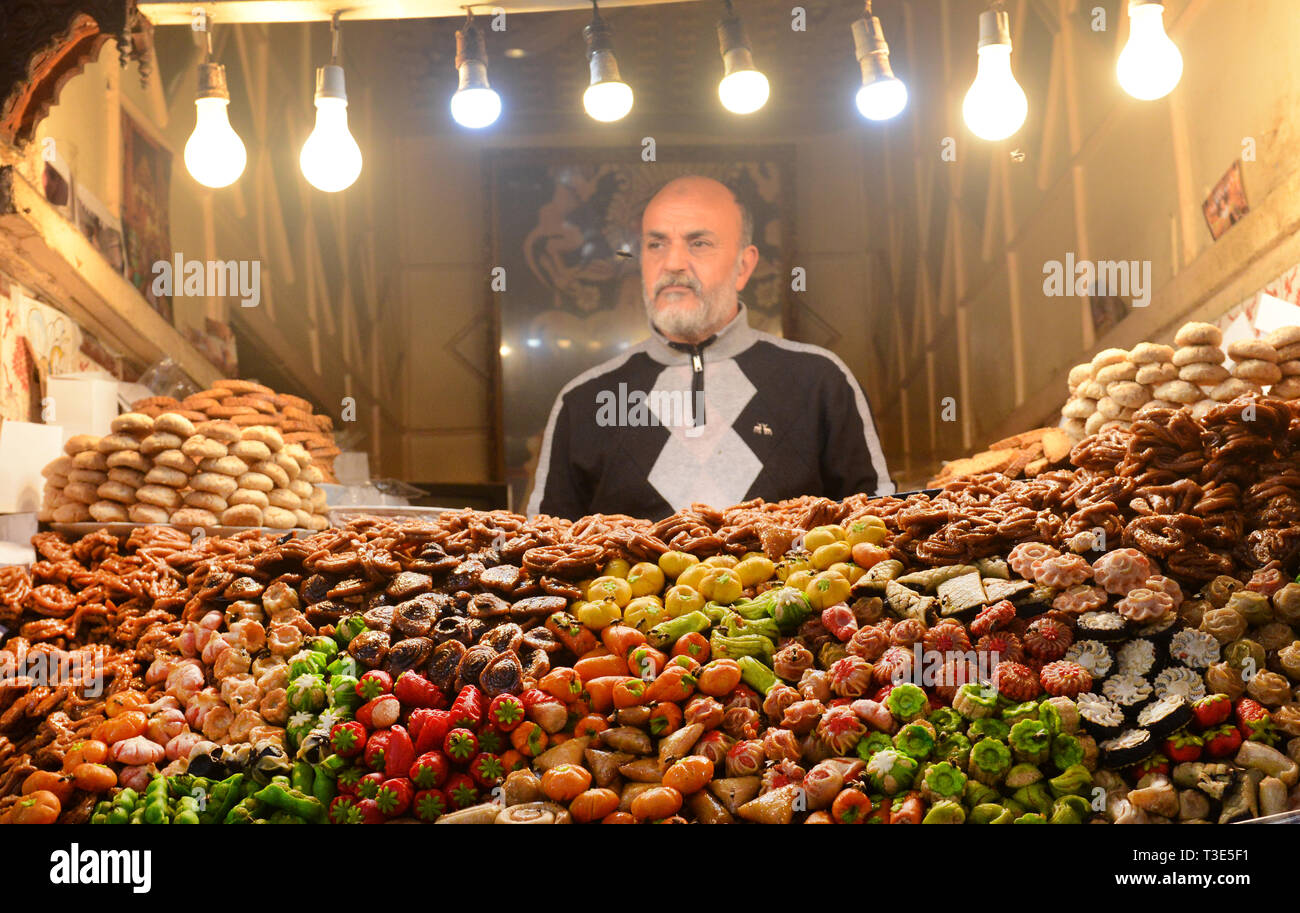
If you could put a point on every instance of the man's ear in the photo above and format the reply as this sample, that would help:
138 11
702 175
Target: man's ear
748 260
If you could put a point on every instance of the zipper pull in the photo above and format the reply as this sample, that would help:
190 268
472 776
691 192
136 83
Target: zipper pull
695 360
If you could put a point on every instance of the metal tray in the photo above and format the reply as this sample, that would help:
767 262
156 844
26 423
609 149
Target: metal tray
125 529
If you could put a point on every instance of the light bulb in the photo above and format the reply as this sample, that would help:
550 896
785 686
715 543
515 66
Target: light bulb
744 91
995 106
331 158
475 108
1150 65
214 153
608 101
882 99
475 104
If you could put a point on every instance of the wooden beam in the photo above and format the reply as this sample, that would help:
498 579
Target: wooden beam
44 252
170 12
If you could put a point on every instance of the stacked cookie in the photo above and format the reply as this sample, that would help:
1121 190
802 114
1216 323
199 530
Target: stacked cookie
1106 392
247 404
169 470
1286 342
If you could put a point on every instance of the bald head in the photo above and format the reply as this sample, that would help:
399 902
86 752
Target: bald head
696 256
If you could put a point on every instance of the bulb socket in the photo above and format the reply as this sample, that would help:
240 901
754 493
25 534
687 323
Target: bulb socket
872 50
995 28
604 68
212 81
732 37
470 46
599 37
473 75
329 82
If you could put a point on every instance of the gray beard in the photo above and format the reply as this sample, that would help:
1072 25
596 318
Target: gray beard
699 322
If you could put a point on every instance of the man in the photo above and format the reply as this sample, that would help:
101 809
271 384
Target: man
707 409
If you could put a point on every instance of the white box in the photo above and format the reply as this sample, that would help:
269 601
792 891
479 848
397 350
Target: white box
25 449
352 467
82 403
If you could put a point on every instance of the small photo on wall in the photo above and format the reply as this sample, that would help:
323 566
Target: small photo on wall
1226 204
146 182
100 227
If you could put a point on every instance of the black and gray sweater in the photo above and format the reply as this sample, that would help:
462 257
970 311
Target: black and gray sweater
742 415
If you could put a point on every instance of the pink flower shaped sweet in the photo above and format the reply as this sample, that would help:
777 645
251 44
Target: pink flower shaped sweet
1122 570
1065 679
1162 584
1024 555
1079 599
1062 571
1143 605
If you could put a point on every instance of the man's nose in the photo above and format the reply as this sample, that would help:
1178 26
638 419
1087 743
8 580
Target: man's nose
676 260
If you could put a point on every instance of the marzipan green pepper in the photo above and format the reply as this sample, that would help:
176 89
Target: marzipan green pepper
990 813
666 633
756 645
302 776
222 799
756 675
290 800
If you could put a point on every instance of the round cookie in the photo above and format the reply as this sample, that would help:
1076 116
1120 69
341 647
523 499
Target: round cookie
174 459
136 423
109 512
302 489
293 470
1178 391
200 447
1107 408
1288 353
274 472
1071 426
1074 408
117 441
284 499
1190 355
1246 349
1257 371
252 419
61 465
148 513
1283 337
89 459
171 478
193 516
1198 334
128 459
1108 357
278 518
1287 388
82 492
159 496
1150 353
1204 375
1079 374
299 453
1128 394
1156 373
320 501
1289 368
267 435
205 500
222 432
318 523
174 423
250 496
1120 371
94 477
116 491
256 481
1233 387
241 515
238 386
250 451
132 477
160 441
302 519
1090 390
1094 422
77 443
71 512
226 465
215 482
199 403
312 473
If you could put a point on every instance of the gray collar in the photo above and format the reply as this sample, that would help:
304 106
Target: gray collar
728 342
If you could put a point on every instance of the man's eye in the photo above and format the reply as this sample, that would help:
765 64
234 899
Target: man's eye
700 243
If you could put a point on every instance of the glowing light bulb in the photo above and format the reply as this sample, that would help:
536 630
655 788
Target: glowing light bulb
882 99
475 104
330 159
476 108
608 98
1150 65
743 89
608 101
214 154
883 94
995 106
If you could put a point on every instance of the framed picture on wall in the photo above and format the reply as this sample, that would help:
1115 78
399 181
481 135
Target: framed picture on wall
1226 203
565 229
146 184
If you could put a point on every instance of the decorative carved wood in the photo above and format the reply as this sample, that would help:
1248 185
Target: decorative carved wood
43 43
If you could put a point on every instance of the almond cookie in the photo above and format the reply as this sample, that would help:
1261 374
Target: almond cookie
1190 355
128 459
1150 353
1157 373
1198 334
278 518
226 465
1128 394
292 469
174 459
256 481
193 516
160 441
1284 336
1120 371
250 496
1178 391
116 491
269 436
1288 353
1257 370
1094 422
205 500
1233 387
89 459
92 476
148 513
117 441
131 477
302 489
71 512
1107 408
215 482
1079 374
199 402
299 453
159 496
55 482
1258 349
1287 388
1204 375
200 447
223 432
284 498
109 512
1078 408
257 403
277 475
1289 368
132 423
237 386
1108 357
62 465
250 451
174 423
302 519
241 515
1090 390
312 473
79 442
162 475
